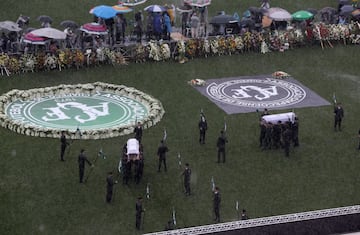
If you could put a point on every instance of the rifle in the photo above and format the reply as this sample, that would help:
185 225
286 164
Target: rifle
92 167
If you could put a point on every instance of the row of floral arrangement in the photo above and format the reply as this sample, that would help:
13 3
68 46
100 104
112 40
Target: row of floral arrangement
182 50
154 106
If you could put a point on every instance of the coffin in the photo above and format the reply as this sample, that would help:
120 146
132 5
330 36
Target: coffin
283 117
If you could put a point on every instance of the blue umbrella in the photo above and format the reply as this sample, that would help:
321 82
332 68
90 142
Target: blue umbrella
104 12
155 8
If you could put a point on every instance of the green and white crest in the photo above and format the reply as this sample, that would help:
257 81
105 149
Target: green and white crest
98 110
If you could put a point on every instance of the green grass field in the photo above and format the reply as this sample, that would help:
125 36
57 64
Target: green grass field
41 195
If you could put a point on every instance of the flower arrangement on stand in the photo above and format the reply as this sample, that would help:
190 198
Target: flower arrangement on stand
223 47
181 50
140 54
51 62
4 60
65 58
27 62
206 48
14 65
239 43
231 44
165 51
214 46
78 58
154 51
191 47
264 47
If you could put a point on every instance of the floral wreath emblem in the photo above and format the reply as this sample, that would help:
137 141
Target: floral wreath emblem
155 110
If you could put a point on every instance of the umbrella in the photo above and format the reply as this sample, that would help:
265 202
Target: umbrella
94 28
69 24
33 39
155 8
49 33
198 3
10 26
328 10
120 9
344 2
184 9
346 9
247 23
278 14
132 3
45 19
28 30
223 19
255 10
356 13
312 10
302 15
103 11
247 14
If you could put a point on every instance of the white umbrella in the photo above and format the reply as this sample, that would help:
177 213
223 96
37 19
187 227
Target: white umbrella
198 3
155 8
278 14
10 26
131 3
49 33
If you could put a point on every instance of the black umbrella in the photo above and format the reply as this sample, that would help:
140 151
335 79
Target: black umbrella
344 2
330 10
346 9
247 23
223 19
69 24
45 19
255 10
312 11
28 30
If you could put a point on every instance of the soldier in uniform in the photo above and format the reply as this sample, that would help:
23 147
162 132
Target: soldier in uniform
138 130
139 210
187 173
162 149
268 134
216 202
276 135
295 132
287 136
339 114
64 143
109 187
244 215
81 160
202 129
262 133
359 139
221 142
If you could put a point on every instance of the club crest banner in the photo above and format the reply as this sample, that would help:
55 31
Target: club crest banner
250 93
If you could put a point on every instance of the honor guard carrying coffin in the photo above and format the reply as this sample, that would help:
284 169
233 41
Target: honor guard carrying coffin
221 142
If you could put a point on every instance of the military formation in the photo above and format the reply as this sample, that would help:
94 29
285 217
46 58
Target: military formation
273 135
279 135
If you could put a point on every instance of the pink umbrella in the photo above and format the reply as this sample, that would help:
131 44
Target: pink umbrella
33 39
94 28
